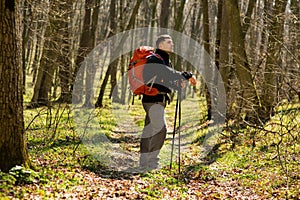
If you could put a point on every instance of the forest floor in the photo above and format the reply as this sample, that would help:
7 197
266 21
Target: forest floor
63 166
58 177
157 185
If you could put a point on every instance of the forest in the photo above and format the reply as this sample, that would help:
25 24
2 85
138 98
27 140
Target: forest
71 127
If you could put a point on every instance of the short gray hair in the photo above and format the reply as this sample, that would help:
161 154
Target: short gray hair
161 38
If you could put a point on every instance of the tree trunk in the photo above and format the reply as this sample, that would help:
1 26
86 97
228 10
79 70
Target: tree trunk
91 69
12 134
64 61
177 60
224 66
99 102
247 17
153 15
124 83
250 101
48 67
49 61
25 38
113 30
294 74
218 34
83 50
164 14
224 62
207 63
274 52
40 48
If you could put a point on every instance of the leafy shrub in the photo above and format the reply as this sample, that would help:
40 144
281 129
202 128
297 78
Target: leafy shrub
22 175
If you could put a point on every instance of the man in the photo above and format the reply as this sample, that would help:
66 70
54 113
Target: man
159 73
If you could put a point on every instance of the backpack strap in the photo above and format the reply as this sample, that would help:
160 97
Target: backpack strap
157 56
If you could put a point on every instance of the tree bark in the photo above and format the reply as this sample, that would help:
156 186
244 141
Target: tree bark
12 134
250 101
83 50
274 52
247 17
207 64
113 30
224 66
164 14
64 61
153 16
177 60
49 61
91 69
294 74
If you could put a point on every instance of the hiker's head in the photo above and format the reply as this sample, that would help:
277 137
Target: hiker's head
165 42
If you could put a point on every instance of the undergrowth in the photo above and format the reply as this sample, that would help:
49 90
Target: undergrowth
268 163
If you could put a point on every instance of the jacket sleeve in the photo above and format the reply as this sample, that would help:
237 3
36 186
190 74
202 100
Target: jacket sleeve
165 76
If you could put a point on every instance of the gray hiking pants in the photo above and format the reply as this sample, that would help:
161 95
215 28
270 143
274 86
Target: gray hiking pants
154 134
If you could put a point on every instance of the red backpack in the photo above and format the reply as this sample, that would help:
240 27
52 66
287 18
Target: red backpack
135 72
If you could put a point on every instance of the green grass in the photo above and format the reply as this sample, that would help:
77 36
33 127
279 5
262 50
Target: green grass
60 161
164 184
271 167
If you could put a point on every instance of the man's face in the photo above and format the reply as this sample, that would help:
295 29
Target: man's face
166 45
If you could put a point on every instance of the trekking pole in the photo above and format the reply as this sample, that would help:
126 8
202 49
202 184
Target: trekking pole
174 131
179 123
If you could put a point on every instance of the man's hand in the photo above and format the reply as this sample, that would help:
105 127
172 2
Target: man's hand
193 80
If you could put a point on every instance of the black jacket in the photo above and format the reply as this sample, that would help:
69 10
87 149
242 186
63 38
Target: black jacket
159 73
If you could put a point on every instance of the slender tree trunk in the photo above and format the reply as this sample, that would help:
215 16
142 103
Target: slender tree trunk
177 60
153 18
50 58
64 61
164 14
124 80
218 34
294 74
48 65
91 69
25 38
40 46
83 50
250 103
247 18
207 64
113 30
224 65
12 134
194 30
99 102
222 55
274 52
